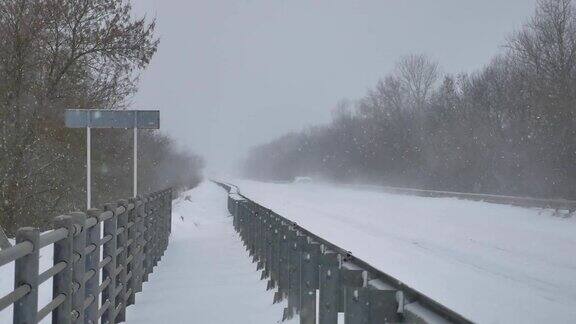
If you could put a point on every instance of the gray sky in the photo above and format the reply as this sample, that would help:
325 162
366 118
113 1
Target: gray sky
230 74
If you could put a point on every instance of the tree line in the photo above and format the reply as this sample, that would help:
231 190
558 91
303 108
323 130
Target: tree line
508 128
59 54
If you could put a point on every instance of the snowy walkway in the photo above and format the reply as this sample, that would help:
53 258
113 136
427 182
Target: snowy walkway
491 263
206 275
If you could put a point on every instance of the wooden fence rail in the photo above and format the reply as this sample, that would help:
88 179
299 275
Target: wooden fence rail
101 258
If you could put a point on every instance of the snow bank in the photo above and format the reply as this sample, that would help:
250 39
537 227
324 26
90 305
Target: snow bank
206 275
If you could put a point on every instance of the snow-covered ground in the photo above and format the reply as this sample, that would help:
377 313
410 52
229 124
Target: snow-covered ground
491 263
205 276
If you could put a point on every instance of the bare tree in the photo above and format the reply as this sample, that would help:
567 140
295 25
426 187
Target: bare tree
417 75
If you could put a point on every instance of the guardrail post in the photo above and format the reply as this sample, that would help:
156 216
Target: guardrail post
122 263
309 282
283 273
256 236
295 244
262 243
62 282
356 299
92 261
274 253
268 228
330 287
26 273
248 231
109 270
79 246
383 302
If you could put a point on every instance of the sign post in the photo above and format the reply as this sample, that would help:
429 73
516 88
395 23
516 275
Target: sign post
100 118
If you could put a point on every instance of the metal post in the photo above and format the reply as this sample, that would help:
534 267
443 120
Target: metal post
26 273
88 168
383 302
356 299
293 290
109 270
147 238
92 260
141 243
283 273
309 282
135 154
132 253
78 267
79 270
122 263
330 287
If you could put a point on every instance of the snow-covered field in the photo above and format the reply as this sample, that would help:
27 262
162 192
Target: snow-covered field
205 276
491 263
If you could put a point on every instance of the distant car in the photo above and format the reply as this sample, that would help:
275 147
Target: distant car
302 180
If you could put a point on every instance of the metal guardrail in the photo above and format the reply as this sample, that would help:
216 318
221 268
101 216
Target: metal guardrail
300 264
135 236
556 204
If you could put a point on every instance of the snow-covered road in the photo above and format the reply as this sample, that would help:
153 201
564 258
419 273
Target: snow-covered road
491 263
206 275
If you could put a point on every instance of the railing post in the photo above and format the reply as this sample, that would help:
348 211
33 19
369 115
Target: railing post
141 242
330 287
109 270
139 257
170 193
167 217
62 282
155 230
92 264
26 273
147 220
152 229
132 253
164 219
78 272
122 264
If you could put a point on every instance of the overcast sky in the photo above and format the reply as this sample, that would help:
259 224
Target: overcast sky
230 74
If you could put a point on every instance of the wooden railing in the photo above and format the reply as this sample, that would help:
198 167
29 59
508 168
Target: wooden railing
101 258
